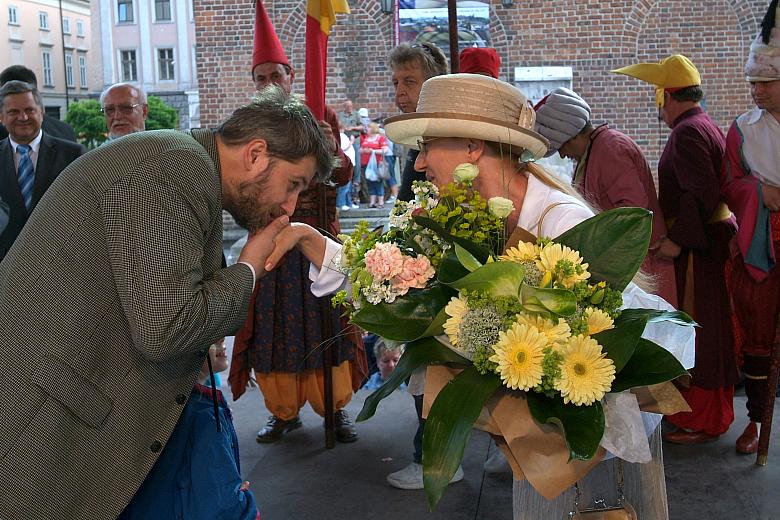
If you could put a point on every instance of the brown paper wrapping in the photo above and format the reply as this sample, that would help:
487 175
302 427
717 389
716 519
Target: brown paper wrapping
538 452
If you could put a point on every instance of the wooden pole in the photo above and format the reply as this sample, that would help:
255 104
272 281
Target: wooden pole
326 311
771 388
452 15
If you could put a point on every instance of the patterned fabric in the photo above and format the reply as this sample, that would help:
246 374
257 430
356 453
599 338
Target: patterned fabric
26 174
109 300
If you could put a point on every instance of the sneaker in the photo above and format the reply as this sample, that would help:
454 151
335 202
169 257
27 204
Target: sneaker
355 206
345 208
411 477
390 200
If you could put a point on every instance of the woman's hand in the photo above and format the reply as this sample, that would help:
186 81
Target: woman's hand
307 239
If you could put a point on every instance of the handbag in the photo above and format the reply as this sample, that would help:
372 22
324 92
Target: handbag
371 169
623 511
383 171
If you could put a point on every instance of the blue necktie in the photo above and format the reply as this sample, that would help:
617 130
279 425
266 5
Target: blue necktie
26 174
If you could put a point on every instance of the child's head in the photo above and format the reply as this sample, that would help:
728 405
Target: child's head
219 360
387 356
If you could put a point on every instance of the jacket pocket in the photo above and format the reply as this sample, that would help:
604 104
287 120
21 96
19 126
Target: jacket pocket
76 393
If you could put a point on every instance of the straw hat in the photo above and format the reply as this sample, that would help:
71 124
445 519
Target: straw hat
470 106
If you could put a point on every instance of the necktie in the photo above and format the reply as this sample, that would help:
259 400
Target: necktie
26 174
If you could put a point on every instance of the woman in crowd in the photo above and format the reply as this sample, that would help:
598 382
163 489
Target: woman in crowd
373 144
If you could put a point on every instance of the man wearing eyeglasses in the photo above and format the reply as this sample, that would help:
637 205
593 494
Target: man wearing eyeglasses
125 108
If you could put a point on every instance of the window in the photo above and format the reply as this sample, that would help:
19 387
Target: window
165 59
66 25
79 28
47 77
83 71
13 16
124 11
128 65
162 10
69 70
43 20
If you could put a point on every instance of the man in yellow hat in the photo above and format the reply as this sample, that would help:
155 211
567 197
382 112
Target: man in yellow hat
699 230
751 186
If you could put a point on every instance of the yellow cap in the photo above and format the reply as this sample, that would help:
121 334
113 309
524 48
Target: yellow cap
676 71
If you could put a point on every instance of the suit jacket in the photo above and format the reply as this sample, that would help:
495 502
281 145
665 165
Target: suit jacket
51 126
54 155
106 319
3 215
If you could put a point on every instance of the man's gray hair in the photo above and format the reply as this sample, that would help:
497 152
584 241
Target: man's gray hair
19 87
286 125
427 56
139 92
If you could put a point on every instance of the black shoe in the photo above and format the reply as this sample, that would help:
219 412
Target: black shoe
345 430
275 428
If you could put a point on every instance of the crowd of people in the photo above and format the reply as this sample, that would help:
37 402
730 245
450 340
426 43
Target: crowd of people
115 297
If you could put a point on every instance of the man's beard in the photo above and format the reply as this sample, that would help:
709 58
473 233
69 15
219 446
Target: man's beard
247 208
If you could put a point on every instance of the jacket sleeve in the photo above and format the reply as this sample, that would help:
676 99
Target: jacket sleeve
157 225
620 180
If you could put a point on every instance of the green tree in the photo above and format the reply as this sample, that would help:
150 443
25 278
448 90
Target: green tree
90 125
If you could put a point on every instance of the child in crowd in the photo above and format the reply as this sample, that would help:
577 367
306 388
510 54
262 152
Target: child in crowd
197 475
387 356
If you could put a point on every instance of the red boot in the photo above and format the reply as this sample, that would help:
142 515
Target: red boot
747 443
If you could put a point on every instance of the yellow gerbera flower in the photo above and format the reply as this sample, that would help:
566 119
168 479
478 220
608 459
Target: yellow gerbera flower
586 373
524 252
598 321
553 253
556 334
519 353
455 309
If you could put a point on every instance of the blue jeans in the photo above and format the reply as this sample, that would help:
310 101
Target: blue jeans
376 188
343 195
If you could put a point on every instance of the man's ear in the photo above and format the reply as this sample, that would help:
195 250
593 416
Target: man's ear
476 148
145 110
255 155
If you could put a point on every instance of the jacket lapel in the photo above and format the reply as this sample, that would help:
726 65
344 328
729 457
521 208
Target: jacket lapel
9 181
47 153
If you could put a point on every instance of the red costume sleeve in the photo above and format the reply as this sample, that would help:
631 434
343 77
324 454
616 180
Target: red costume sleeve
620 181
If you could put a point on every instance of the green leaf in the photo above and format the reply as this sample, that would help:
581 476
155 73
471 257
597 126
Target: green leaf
497 278
561 302
466 259
619 343
450 268
652 316
582 426
449 426
651 364
614 244
426 351
408 317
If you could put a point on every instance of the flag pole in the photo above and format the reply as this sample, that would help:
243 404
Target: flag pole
452 16
771 388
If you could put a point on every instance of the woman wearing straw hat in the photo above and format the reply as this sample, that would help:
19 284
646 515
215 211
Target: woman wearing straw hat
468 118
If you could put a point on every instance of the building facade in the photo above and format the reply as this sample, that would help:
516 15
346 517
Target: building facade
54 40
150 43
590 37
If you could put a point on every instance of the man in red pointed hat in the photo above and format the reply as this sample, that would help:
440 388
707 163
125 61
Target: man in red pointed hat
282 338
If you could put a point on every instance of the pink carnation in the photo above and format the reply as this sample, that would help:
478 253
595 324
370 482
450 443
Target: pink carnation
384 261
415 274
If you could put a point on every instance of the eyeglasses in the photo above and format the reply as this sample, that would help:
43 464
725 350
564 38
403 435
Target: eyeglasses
422 144
125 109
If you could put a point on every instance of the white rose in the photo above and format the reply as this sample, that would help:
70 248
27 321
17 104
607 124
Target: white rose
465 172
500 207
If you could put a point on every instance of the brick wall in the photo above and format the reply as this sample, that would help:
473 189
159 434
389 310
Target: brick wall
592 36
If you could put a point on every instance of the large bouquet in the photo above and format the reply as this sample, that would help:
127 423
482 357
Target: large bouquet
540 318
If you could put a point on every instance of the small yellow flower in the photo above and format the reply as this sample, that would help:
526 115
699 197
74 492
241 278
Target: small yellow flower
556 334
598 321
455 309
586 373
524 252
519 353
553 253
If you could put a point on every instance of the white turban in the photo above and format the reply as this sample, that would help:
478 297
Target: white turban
764 59
561 116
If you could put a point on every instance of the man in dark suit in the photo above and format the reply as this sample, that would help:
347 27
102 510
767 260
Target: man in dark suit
30 159
51 125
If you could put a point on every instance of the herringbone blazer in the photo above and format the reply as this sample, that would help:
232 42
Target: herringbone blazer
108 301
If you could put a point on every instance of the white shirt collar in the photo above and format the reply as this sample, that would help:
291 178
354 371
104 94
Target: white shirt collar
754 115
35 144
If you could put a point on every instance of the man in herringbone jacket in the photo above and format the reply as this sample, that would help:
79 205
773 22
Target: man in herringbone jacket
114 290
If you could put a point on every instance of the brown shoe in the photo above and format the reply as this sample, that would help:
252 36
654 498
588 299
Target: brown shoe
275 428
747 443
345 430
683 437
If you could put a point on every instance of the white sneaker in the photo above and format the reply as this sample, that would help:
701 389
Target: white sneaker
355 206
345 208
411 477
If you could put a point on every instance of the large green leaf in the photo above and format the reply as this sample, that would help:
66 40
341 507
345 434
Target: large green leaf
408 317
450 268
614 243
449 425
652 316
582 426
496 278
560 302
651 364
426 351
620 343
466 259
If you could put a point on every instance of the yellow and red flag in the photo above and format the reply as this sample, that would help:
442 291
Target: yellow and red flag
320 17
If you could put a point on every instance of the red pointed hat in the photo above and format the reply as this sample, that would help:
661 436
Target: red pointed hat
267 46
480 60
